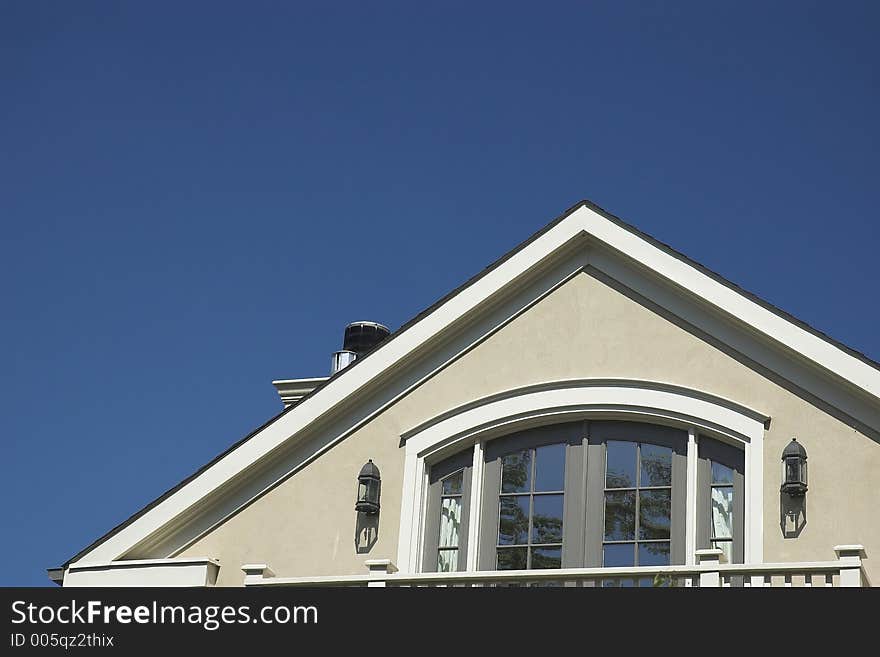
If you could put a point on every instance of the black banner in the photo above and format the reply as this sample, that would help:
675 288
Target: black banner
131 620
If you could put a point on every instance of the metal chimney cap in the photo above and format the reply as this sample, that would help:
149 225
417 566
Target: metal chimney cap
364 322
362 337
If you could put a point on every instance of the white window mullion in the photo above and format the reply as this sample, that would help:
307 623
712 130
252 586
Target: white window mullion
418 516
475 508
690 541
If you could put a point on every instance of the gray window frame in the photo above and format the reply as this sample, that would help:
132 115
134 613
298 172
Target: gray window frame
462 461
584 501
531 494
569 434
708 450
599 433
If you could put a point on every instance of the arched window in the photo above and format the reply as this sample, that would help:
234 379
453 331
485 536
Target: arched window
586 494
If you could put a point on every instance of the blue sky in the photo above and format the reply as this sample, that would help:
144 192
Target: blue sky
196 198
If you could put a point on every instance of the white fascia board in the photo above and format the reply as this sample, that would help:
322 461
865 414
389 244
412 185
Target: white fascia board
582 221
778 328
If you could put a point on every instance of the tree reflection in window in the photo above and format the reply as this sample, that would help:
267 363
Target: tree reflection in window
530 509
638 499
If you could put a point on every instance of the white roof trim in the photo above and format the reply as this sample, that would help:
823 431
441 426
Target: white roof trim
583 221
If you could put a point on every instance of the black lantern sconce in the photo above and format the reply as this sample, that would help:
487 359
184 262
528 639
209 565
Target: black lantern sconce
794 469
369 484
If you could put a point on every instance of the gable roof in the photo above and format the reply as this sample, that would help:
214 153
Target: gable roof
584 218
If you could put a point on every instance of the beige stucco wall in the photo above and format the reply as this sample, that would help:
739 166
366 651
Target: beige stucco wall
306 526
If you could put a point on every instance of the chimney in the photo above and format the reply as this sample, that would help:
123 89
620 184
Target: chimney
360 338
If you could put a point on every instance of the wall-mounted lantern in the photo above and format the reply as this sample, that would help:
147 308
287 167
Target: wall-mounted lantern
369 484
794 469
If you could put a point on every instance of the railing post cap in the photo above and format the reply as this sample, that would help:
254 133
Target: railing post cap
257 569
710 554
855 550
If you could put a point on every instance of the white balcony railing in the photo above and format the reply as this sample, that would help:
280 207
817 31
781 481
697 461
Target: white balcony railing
845 571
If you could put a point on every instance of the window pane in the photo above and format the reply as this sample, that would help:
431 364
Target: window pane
793 469
516 472
546 558
653 554
451 485
513 526
511 558
550 468
450 521
656 466
619 555
620 516
654 514
620 465
726 547
547 519
721 474
447 561
722 512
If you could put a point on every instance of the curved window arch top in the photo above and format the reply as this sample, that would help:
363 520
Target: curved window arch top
585 494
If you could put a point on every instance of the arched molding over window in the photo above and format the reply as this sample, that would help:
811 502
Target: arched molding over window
473 426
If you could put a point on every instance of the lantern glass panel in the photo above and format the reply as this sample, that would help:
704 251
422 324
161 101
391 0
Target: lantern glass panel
372 491
792 470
